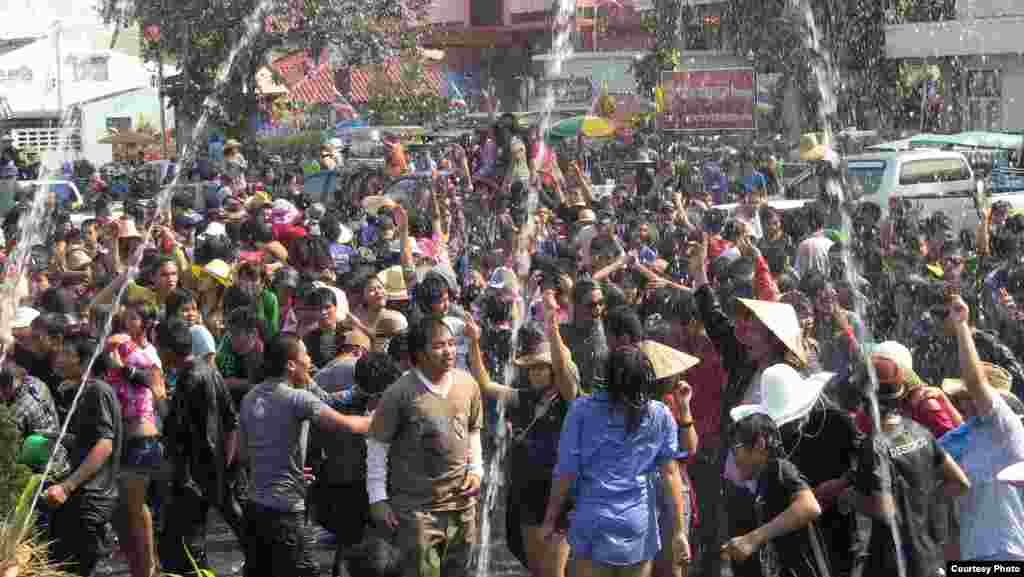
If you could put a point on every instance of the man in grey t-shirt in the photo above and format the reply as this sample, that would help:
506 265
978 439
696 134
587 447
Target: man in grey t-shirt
272 416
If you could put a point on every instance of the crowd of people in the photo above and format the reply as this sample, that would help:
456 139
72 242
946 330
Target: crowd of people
679 389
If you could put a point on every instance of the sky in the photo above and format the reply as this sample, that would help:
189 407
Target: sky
27 17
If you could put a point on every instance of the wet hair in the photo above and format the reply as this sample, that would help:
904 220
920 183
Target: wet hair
177 300
631 383
374 557
310 252
286 277
428 291
50 322
748 430
330 228
320 297
244 320
175 335
623 321
257 230
85 347
813 283
214 247
281 349
399 346
375 372
420 334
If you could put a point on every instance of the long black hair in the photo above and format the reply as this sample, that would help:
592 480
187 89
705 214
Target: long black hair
631 383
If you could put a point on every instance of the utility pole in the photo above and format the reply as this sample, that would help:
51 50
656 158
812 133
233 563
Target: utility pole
60 71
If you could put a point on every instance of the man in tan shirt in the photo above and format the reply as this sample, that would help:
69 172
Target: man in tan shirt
425 440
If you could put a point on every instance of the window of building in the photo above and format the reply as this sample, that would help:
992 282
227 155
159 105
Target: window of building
985 99
704 30
486 12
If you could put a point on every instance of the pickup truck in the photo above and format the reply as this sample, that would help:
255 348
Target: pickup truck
932 179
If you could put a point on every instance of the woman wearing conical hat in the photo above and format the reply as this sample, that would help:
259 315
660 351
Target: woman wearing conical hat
763 334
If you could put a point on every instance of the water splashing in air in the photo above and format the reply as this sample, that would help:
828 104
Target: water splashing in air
561 49
163 200
824 77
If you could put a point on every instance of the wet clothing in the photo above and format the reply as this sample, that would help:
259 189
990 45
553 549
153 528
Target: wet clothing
992 513
430 441
589 347
77 528
907 465
615 520
796 554
272 418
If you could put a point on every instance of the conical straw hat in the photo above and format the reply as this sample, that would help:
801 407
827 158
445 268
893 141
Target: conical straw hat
781 320
667 362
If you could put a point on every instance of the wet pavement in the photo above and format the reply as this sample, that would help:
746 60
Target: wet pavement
226 557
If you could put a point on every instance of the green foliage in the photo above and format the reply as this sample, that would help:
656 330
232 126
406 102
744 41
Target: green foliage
201 34
13 476
662 22
301 143
407 101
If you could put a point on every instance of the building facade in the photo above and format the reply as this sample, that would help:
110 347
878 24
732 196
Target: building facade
985 89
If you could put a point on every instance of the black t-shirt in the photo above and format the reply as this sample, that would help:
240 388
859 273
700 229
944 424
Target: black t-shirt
202 413
908 466
97 417
536 420
825 446
794 553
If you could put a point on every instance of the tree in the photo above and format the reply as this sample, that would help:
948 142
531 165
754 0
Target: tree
406 100
852 34
200 36
662 23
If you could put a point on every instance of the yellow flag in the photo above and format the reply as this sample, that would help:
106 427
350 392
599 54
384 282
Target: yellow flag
659 99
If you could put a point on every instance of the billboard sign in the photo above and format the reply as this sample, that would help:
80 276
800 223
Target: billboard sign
717 99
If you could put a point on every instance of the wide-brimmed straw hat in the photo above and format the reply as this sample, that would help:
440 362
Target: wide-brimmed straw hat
539 356
998 377
667 362
393 279
781 320
219 270
785 395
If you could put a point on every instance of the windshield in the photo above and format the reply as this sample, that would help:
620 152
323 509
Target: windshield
864 177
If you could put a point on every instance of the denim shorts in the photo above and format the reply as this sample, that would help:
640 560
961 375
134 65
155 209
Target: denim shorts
142 456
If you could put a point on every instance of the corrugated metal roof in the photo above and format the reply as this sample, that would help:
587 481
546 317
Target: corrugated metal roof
307 81
357 80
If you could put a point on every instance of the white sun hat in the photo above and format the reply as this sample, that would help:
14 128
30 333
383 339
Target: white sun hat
896 353
785 395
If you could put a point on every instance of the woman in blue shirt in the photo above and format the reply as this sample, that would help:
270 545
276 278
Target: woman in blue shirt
612 444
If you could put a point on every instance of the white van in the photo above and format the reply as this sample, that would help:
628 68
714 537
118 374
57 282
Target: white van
932 179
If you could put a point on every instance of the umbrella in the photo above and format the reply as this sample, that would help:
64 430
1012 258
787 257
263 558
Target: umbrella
999 140
128 137
592 126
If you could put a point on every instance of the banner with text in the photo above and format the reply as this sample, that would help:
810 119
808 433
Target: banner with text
711 99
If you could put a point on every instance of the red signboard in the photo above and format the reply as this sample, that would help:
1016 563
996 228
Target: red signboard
712 99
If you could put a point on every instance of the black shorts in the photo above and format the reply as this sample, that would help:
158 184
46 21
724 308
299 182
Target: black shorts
531 498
